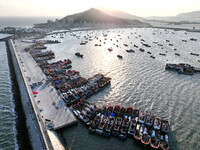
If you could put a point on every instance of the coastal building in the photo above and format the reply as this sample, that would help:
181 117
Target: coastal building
50 23
70 21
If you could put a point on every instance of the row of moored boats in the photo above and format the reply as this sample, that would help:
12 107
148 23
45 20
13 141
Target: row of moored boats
124 122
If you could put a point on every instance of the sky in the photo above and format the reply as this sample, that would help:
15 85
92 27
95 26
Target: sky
143 8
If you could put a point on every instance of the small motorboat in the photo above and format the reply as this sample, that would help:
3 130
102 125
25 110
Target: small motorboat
83 43
79 55
149 52
147 45
152 57
162 54
192 39
119 56
177 54
141 49
110 49
194 54
130 51
126 45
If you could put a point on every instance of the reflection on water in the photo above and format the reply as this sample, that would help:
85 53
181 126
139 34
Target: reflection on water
138 80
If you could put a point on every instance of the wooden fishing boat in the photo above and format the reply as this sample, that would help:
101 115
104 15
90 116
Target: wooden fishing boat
155 139
146 136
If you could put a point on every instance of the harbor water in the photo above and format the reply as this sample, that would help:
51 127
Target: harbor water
137 80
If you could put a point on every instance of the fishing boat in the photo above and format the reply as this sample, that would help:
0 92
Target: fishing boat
116 127
116 110
95 123
164 126
126 123
109 125
83 117
102 110
142 117
101 125
124 127
146 136
136 113
118 122
120 56
139 131
149 119
109 111
157 123
155 139
164 145
78 54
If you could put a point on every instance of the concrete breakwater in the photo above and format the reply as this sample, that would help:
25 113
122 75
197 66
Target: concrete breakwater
40 137
35 134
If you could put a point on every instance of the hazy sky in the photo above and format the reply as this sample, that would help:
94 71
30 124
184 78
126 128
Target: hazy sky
66 7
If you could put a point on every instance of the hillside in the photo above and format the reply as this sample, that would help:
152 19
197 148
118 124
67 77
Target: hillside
94 16
120 14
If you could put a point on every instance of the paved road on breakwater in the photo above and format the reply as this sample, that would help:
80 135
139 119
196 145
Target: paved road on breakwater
47 104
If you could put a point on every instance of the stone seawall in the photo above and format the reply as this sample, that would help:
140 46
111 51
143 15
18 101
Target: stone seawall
34 125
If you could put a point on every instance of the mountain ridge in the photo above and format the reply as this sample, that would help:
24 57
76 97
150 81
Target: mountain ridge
192 14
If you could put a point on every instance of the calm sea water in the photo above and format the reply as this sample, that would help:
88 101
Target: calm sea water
8 131
138 80
23 21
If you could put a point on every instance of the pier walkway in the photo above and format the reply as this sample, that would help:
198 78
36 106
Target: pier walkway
47 103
